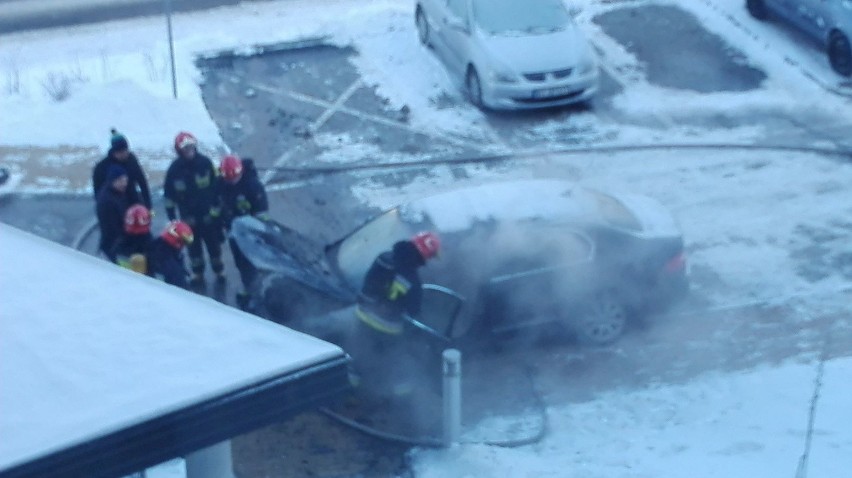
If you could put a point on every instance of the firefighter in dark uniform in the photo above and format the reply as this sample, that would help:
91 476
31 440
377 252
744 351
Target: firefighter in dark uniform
242 194
131 249
191 195
165 254
391 293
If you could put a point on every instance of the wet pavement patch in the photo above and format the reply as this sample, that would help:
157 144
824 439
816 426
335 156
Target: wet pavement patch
678 52
821 251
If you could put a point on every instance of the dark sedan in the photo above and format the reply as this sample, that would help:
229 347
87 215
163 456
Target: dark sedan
515 256
827 21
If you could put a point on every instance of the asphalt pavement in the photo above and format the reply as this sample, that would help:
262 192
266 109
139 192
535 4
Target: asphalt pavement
23 15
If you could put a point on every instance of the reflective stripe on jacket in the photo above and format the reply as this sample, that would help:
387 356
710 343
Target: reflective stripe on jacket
378 323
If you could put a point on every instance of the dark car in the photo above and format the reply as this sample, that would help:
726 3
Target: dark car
827 21
514 255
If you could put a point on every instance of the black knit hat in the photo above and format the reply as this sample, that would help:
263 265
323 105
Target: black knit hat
118 142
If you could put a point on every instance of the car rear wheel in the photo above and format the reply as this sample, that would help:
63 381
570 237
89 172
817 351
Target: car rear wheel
757 9
840 53
603 321
473 87
422 27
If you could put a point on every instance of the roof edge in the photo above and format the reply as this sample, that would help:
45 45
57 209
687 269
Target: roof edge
180 432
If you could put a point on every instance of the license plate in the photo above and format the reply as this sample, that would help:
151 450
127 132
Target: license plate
548 92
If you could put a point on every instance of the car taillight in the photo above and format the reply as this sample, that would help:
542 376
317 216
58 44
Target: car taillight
676 263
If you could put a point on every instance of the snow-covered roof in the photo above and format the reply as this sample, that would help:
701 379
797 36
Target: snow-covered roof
90 352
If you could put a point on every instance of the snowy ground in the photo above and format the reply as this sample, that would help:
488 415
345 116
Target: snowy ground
762 227
751 424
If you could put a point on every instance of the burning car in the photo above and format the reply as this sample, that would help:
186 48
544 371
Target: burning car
515 256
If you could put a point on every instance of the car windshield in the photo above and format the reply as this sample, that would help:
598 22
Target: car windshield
532 16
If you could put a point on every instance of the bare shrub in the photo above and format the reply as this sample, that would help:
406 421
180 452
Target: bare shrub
13 80
157 70
105 70
150 67
12 84
57 85
76 73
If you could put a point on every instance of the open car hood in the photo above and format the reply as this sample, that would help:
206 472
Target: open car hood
273 248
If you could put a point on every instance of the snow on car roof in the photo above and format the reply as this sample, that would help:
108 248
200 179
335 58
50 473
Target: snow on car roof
88 348
653 218
548 199
456 210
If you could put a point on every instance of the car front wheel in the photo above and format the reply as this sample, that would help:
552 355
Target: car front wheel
840 53
603 321
757 9
473 87
422 27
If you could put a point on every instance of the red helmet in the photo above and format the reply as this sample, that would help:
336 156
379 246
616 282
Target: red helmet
427 243
137 220
177 234
183 140
231 168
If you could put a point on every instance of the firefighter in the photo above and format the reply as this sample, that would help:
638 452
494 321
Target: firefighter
131 249
242 194
165 256
390 296
191 195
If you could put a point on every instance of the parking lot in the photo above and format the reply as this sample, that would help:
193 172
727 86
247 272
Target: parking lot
305 104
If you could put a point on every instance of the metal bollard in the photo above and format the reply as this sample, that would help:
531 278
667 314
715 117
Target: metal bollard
452 396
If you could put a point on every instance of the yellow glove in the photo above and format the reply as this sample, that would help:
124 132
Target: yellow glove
139 263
